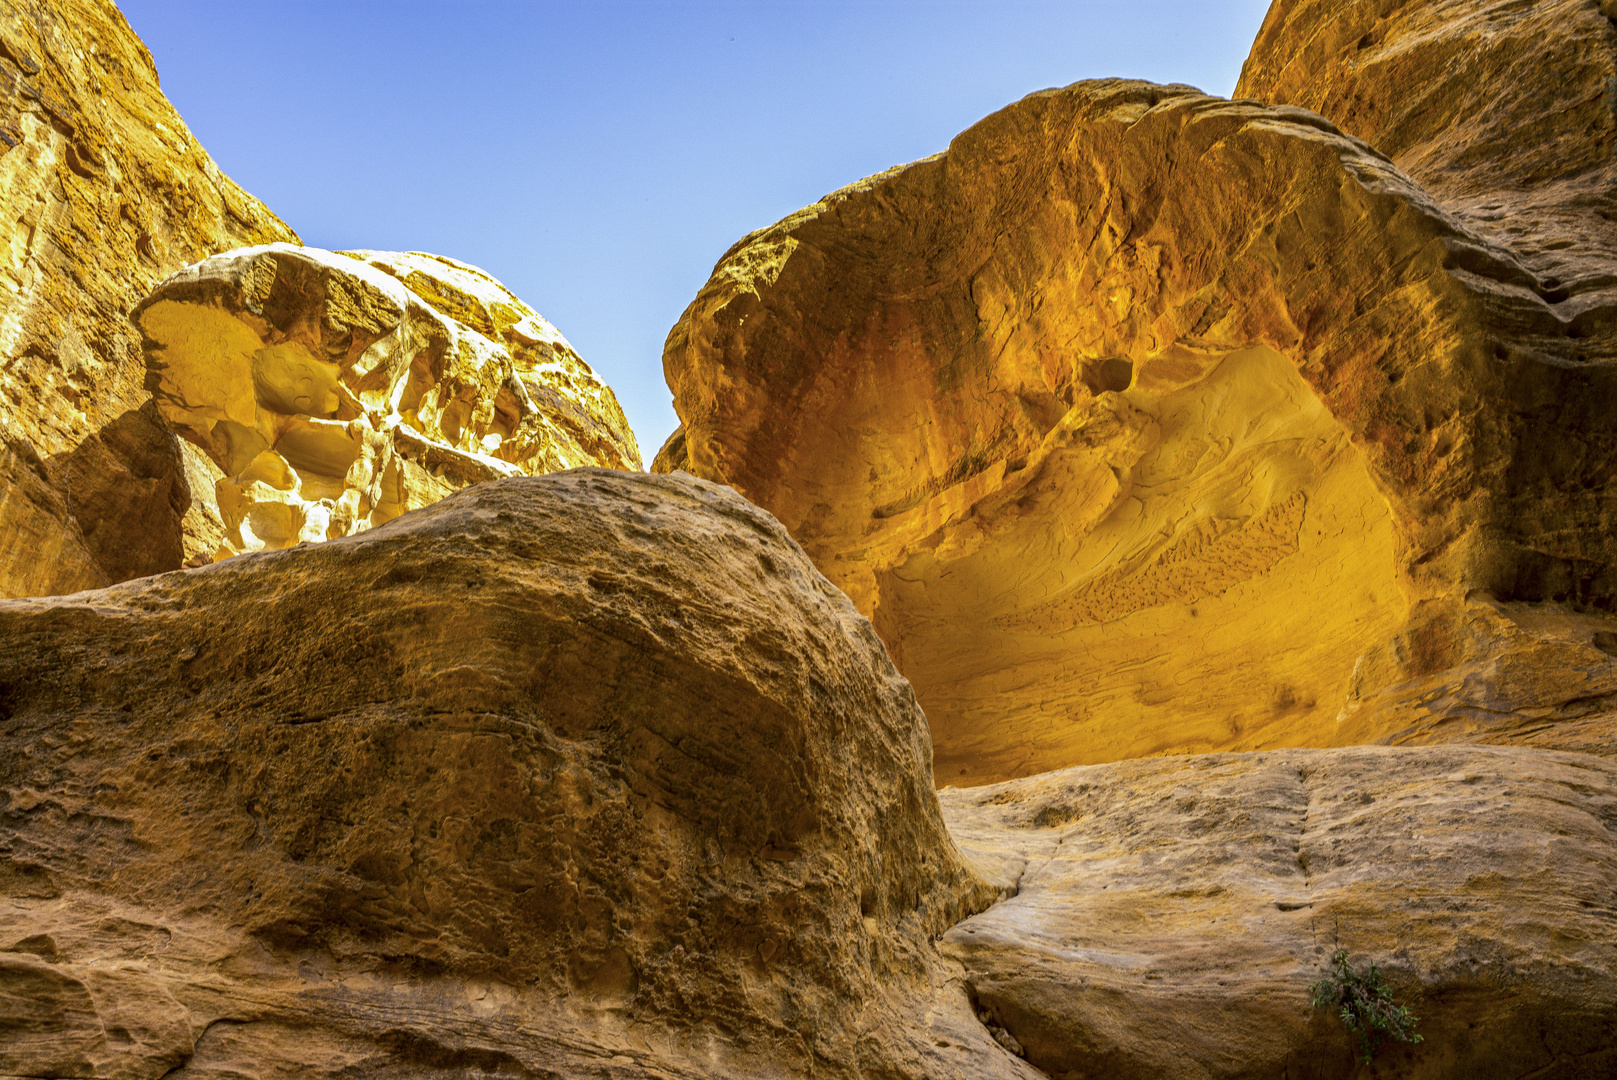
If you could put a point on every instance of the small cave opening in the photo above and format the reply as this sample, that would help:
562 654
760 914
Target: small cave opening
1114 374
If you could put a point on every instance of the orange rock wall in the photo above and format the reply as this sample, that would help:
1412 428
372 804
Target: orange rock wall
1146 422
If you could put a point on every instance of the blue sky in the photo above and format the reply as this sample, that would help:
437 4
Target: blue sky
599 157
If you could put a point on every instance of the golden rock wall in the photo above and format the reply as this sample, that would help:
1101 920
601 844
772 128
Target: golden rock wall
1145 422
1140 422
103 193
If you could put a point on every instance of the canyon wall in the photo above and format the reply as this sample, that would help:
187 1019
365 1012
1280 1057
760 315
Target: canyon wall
1144 426
103 194
1145 422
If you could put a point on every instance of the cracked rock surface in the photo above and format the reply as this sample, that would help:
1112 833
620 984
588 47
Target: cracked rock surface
1167 915
589 774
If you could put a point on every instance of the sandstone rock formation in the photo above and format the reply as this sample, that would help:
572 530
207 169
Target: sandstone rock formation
584 775
332 394
575 417
1139 421
1171 913
1145 422
103 193
1515 138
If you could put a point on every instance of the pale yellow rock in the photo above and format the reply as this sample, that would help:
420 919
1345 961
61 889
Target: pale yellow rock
1170 914
577 419
333 394
583 775
1146 598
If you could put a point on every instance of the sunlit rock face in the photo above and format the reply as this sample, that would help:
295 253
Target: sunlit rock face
332 392
1145 422
583 775
571 417
103 194
1515 139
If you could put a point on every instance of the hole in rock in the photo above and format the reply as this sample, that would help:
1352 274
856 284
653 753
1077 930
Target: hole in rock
1114 374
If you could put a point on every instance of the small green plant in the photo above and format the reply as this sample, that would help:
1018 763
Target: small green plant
1364 1002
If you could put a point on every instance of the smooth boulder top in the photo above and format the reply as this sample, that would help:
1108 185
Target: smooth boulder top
599 751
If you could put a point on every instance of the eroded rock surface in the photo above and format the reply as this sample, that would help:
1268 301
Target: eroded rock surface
1144 422
572 417
103 193
1171 913
333 392
590 774
1515 137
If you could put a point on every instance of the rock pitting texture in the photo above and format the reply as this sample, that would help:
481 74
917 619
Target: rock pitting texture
103 193
333 392
1145 422
590 774
1171 913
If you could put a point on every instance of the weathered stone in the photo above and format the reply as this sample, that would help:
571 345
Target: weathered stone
1144 422
1170 914
40 542
576 419
590 774
127 489
103 193
1503 111
334 394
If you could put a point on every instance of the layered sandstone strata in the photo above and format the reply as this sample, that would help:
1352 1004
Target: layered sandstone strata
590 774
103 193
1502 111
332 392
1171 913
1144 422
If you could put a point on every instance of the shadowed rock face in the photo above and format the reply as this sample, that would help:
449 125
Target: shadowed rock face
1170 914
590 774
1141 421
332 393
103 193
